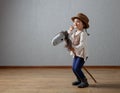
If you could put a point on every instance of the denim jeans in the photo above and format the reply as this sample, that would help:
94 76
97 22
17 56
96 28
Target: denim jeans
78 63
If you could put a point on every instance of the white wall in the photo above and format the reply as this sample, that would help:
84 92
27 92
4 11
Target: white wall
27 27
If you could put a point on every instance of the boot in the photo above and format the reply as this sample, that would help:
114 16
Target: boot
76 82
83 84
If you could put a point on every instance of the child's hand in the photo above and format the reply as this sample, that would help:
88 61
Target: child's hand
71 29
73 50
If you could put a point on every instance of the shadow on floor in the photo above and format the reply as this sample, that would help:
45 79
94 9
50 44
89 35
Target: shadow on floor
107 85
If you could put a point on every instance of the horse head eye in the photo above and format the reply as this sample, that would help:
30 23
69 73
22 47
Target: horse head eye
61 39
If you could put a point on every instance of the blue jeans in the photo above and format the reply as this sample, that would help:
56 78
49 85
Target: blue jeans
78 63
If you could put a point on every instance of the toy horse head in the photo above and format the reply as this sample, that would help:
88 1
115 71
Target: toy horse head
58 39
62 36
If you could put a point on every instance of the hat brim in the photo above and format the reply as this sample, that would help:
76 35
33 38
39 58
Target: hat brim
75 18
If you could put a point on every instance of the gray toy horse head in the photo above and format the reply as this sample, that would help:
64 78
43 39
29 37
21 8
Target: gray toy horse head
60 37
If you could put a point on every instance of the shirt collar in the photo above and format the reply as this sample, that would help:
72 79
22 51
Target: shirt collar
77 32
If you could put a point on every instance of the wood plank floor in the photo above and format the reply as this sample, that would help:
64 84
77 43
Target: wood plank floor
56 80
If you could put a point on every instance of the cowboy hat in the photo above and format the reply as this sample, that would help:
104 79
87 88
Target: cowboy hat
83 18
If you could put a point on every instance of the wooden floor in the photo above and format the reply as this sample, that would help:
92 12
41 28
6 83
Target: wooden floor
53 80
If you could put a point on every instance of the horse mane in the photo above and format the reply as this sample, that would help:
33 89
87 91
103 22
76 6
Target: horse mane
68 44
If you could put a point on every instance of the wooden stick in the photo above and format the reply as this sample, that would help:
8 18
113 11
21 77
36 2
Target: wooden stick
90 74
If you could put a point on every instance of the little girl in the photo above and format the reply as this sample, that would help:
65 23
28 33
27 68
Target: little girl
79 37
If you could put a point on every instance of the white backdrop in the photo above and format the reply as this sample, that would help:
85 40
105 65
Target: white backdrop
28 26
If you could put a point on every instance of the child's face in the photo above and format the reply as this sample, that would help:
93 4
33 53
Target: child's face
78 24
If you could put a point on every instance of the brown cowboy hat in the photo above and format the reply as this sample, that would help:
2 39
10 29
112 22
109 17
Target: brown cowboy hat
83 18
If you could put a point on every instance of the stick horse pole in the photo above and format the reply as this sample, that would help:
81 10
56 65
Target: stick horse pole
64 36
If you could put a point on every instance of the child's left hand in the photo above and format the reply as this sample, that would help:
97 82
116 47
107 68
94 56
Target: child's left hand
73 50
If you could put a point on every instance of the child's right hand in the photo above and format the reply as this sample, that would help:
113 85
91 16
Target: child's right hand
71 28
